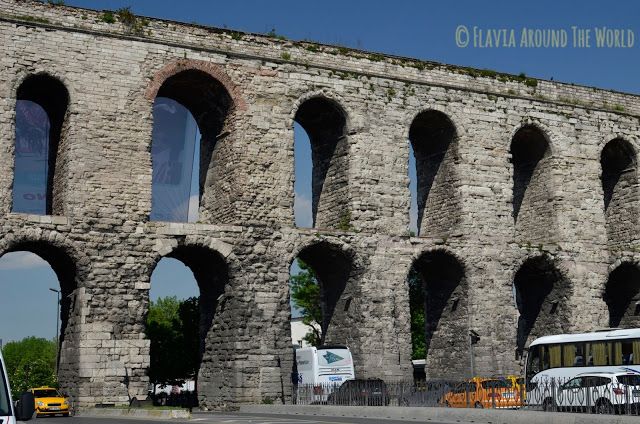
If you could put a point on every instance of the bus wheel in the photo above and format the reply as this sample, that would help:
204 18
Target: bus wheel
447 404
547 405
478 405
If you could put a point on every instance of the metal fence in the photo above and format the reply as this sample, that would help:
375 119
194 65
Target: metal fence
588 395
602 394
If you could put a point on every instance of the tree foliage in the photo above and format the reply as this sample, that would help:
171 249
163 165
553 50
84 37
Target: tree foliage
305 293
173 330
416 307
31 362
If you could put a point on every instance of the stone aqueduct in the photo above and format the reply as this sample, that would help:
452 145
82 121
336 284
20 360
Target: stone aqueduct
522 183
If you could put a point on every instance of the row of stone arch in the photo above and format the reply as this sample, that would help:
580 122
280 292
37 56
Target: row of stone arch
212 100
541 295
542 291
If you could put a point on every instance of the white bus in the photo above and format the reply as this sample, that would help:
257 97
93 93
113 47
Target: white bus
553 360
321 370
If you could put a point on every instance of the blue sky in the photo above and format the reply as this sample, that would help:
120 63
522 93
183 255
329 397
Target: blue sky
420 29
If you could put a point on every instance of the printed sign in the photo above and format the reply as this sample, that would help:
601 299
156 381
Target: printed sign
31 170
172 152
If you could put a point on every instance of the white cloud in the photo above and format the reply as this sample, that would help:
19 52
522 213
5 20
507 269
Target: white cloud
302 211
21 260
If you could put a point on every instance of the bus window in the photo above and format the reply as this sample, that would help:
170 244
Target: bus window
544 357
615 353
555 356
573 355
597 353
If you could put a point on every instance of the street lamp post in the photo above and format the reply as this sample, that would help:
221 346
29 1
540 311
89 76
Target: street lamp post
57 323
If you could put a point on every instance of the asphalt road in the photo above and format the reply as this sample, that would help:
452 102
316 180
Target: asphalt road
226 418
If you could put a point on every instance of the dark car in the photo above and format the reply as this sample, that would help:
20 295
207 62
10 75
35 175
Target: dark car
370 392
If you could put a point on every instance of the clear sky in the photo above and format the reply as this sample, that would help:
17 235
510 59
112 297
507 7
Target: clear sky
420 29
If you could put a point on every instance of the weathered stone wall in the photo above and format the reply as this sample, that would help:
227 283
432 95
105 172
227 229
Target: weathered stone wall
113 73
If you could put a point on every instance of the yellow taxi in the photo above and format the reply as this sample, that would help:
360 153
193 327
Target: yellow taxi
483 393
517 383
50 402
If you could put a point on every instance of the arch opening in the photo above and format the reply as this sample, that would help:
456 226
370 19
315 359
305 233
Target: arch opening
34 258
622 295
329 268
439 279
325 123
39 183
432 137
620 189
178 344
530 154
190 114
541 295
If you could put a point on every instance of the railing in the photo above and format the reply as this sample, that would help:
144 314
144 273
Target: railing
548 395
595 394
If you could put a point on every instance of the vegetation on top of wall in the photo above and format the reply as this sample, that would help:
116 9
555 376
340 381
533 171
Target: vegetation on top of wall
133 23
274 34
108 17
136 25
236 35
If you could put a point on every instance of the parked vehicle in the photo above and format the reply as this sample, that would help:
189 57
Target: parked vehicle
324 369
602 393
48 401
369 392
483 393
517 383
23 410
554 360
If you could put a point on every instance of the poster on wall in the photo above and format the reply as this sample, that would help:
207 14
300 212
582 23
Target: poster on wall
31 158
172 151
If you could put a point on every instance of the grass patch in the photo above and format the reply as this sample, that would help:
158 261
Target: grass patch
108 17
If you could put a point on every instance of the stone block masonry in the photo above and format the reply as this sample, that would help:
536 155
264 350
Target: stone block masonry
526 185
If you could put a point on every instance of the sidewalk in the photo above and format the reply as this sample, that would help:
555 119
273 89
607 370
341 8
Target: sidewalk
449 415
150 413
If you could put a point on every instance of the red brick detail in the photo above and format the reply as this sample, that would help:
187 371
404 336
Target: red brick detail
216 71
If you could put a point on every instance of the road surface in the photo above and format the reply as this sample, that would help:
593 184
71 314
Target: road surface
228 418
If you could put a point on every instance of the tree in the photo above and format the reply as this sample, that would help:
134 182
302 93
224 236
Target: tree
305 292
31 362
189 314
416 307
173 330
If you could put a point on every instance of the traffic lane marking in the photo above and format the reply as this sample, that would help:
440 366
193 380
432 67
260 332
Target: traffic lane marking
261 419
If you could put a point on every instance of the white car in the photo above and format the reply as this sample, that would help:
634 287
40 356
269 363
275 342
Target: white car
9 413
602 393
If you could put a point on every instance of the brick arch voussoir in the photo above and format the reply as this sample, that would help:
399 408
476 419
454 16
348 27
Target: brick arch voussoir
214 70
